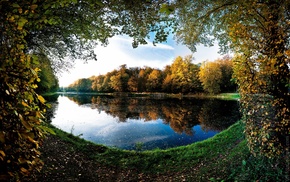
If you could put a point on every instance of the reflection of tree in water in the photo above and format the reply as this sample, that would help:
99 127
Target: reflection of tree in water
216 115
180 114
80 99
50 111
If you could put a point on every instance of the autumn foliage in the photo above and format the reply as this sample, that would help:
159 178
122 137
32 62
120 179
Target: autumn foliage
182 76
257 32
21 108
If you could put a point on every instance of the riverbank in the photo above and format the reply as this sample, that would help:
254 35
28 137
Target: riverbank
224 157
69 158
226 96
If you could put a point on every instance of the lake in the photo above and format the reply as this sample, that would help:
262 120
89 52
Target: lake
127 122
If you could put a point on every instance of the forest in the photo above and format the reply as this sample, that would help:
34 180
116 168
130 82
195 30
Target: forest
182 76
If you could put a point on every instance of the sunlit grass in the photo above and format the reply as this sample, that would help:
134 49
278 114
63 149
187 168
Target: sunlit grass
229 96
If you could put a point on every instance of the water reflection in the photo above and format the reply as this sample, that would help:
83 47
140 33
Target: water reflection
162 123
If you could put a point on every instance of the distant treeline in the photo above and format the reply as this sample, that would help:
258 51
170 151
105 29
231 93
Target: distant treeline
182 76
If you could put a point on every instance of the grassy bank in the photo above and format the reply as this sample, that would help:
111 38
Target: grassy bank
224 157
210 159
225 96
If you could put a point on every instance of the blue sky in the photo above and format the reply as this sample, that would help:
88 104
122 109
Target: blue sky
120 51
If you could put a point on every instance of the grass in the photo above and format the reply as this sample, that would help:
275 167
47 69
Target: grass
224 157
210 158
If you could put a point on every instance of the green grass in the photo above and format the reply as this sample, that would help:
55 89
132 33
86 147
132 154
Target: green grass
228 96
176 159
224 157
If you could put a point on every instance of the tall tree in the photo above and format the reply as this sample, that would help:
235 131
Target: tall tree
48 81
184 75
133 80
154 81
119 81
227 83
97 82
258 33
167 82
83 85
210 75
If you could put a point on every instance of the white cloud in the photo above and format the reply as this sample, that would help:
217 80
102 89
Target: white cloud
120 51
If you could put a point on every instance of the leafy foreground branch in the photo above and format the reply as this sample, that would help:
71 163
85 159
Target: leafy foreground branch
223 157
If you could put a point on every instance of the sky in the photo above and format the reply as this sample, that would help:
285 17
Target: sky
120 51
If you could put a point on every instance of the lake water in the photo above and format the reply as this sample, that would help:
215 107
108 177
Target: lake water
124 122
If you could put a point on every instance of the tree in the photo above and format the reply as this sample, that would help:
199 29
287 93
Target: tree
227 83
97 82
83 85
258 33
119 81
184 75
216 76
210 76
57 29
133 80
154 81
167 82
48 81
143 78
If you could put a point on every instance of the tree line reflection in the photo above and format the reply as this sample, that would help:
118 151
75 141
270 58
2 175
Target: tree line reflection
180 114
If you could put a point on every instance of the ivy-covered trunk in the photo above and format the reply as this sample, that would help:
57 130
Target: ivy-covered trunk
20 107
266 109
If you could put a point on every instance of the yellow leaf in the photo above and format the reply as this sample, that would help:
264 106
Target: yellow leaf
25 123
2 153
24 104
33 141
41 99
22 160
34 6
21 22
24 170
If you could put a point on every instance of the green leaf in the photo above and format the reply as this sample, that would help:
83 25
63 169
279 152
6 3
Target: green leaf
244 162
51 21
47 129
21 22
15 5
165 8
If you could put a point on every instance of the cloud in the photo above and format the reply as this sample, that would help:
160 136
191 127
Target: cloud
125 40
120 51
150 138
